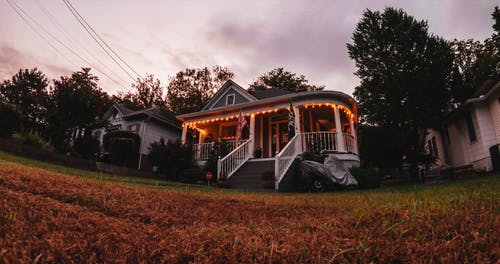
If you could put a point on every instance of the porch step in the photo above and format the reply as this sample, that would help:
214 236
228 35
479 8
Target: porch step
248 177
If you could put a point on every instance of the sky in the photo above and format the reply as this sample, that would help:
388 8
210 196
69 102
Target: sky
249 37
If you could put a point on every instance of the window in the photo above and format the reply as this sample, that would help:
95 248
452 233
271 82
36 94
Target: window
230 99
470 126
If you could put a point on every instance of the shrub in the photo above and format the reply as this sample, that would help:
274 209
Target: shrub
122 147
171 158
367 178
219 150
10 120
33 139
192 175
87 146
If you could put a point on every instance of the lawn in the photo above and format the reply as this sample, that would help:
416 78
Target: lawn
51 213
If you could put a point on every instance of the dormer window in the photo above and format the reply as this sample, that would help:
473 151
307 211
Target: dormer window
230 99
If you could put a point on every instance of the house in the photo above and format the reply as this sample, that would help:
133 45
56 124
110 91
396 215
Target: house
470 136
280 126
150 124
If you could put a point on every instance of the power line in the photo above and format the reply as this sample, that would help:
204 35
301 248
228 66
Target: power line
73 40
39 34
91 32
61 43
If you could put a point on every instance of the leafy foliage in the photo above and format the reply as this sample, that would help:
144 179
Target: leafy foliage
285 80
406 73
122 147
10 120
189 90
171 158
149 93
87 146
75 102
28 90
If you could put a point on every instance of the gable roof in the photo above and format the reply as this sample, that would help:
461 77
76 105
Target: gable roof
162 115
228 85
118 107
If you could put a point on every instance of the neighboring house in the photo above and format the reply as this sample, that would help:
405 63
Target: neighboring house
325 121
470 132
150 124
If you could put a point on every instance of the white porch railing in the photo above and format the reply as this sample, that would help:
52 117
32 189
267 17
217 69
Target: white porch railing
202 151
285 158
320 141
233 161
349 143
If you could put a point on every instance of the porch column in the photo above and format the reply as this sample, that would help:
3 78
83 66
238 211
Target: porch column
338 126
354 134
297 120
184 133
251 147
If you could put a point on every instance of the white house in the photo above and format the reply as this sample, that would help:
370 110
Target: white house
471 132
323 120
150 124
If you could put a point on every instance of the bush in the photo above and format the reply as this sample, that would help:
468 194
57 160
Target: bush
219 150
33 139
171 158
10 120
87 146
122 147
367 178
192 175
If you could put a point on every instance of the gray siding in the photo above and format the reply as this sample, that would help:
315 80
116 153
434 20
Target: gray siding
238 98
154 132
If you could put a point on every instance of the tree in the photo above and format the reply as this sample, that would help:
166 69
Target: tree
28 90
10 120
76 102
149 93
280 78
406 74
189 90
476 62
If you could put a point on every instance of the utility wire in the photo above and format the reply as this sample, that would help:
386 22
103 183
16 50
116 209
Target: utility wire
91 32
73 40
61 43
40 35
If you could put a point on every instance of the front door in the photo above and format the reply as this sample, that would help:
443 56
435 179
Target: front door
279 136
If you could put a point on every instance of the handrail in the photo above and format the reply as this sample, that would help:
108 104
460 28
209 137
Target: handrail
233 161
285 158
322 141
202 151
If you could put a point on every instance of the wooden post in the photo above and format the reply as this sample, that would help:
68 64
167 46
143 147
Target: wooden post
338 126
252 135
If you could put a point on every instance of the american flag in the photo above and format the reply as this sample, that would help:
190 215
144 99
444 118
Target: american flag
291 122
242 123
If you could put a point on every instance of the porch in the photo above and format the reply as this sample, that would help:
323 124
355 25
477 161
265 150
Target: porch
323 128
320 128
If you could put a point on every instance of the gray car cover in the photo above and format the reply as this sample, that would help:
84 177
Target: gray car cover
332 169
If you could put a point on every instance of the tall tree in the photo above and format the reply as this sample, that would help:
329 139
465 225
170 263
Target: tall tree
28 90
406 73
189 90
148 93
76 102
280 78
476 62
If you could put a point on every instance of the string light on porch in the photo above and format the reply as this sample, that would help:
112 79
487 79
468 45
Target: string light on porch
345 109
